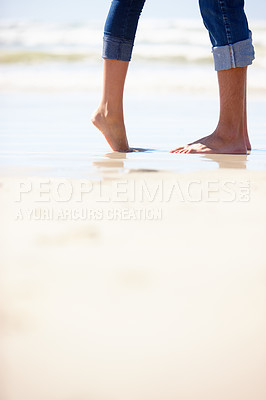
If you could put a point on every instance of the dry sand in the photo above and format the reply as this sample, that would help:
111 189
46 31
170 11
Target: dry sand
170 305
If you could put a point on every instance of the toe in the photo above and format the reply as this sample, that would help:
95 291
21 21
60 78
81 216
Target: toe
177 149
183 150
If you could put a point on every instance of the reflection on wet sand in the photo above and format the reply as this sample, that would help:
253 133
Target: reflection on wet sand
111 166
238 161
114 162
119 163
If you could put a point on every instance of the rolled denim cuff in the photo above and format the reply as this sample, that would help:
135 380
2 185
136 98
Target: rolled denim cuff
240 54
117 48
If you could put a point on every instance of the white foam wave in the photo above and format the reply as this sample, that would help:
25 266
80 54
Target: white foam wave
168 55
170 40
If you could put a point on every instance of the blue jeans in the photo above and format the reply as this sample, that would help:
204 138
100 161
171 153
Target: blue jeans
225 20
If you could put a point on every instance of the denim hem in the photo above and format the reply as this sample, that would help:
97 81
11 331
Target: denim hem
240 54
117 48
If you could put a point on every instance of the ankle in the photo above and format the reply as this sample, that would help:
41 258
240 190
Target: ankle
229 132
111 111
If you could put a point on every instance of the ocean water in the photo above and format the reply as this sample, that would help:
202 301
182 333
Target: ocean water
50 83
169 55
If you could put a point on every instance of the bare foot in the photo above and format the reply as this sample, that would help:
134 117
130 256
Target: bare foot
214 144
113 130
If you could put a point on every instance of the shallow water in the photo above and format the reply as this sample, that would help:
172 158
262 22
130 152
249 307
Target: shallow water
50 134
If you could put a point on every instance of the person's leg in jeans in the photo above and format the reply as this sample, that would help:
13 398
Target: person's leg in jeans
119 34
233 52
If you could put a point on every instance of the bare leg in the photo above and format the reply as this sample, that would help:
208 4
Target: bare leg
109 117
245 121
230 136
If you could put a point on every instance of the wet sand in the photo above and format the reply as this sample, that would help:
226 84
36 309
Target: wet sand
129 276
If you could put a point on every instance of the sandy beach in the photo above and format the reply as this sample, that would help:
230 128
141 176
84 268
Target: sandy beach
157 291
137 276
129 276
